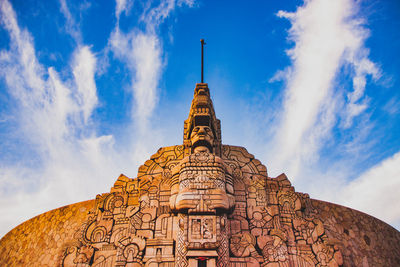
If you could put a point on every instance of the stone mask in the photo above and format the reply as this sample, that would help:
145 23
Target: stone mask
203 134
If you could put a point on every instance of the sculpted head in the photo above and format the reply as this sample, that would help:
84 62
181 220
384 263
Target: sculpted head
202 136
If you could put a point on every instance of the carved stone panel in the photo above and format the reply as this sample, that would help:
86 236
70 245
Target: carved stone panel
202 229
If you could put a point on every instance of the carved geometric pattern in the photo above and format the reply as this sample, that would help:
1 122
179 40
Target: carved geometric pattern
203 201
181 250
223 249
270 222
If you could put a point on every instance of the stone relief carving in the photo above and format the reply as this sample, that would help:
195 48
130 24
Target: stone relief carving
262 220
202 202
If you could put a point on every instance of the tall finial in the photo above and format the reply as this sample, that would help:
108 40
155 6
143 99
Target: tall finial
202 59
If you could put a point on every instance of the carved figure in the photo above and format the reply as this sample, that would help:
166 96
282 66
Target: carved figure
201 136
202 203
243 245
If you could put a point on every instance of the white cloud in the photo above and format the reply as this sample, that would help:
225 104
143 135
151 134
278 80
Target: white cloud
84 68
122 6
153 17
392 107
363 67
71 27
53 115
22 45
54 118
377 191
327 36
141 51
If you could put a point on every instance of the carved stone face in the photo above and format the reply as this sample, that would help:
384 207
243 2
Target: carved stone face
202 133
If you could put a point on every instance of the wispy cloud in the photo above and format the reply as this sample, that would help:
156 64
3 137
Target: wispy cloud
153 17
327 36
329 48
54 116
71 26
362 67
142 52
376 191
84 65
122 6
84 69
392 107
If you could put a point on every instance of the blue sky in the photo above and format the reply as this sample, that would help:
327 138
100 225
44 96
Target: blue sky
90 89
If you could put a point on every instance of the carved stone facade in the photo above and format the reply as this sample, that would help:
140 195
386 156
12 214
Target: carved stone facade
207 204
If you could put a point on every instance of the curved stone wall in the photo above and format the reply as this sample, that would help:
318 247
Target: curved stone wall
202 203
364 240
41 241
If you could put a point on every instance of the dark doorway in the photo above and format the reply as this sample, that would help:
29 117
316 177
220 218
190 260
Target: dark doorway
202 263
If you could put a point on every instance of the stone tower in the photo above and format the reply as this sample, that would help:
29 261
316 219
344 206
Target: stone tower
199 204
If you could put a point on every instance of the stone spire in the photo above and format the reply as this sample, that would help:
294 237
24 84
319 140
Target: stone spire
202 128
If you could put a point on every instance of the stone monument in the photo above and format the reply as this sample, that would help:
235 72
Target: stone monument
202 203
